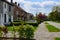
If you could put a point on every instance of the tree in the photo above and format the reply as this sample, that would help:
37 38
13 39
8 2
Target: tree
41 17
54 16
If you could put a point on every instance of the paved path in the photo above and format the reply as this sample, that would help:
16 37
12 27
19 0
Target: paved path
57 25
43 34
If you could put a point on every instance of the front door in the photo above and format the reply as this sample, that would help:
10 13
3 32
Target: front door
9 18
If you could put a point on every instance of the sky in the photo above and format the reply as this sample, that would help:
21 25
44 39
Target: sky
36 6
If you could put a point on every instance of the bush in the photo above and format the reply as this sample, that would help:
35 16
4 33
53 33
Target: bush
33 24
16 23
26 31
1 30
29 32
17 20
22 31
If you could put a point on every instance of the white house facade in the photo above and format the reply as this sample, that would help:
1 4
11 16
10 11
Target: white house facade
6 12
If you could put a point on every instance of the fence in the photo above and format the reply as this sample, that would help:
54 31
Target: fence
10 38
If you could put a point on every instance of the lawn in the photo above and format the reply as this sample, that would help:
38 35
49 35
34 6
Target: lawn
57 38
52 28
10 28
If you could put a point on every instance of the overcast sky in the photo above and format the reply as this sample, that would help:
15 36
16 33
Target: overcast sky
36 6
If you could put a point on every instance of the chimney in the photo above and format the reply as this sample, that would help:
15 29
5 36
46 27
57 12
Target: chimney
11 1
16 3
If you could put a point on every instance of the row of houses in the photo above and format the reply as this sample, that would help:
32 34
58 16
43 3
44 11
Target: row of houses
10 11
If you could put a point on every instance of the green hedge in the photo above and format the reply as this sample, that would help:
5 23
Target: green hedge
17 20
16 23
19 23
34 24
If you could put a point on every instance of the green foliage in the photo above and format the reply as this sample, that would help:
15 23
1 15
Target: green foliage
29 32
1 31
33 24
15 28
26 31
17 20
54 16
10 28
16 23
46 23
24 23
39 21
22 31
41 17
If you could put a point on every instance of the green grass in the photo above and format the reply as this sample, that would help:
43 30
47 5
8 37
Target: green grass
52 28
35 28
57 38
10 28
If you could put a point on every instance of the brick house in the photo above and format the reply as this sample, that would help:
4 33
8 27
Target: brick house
19 13
30 16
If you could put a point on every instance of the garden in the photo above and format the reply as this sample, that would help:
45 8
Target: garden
24 30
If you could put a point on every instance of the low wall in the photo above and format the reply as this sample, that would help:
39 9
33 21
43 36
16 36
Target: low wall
10 38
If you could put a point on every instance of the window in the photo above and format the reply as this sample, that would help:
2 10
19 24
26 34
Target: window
9 8
5 5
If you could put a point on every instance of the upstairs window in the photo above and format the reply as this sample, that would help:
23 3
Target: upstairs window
9 8
5 5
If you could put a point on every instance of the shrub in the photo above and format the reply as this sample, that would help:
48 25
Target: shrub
17 20
26 31
33 24
29 32
16 23
22 31
1 31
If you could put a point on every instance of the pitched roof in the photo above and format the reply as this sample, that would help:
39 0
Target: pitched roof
19 8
